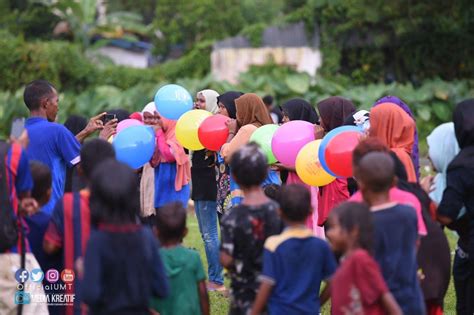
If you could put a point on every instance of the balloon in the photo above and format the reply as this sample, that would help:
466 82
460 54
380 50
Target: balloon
338 154
111 139
128 123
327 138
172 101
309 168
134 146
187 129
289 139
263 137
213 132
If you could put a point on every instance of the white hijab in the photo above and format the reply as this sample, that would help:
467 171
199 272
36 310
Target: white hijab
211 100
443 147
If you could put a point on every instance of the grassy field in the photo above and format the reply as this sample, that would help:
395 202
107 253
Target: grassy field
219 304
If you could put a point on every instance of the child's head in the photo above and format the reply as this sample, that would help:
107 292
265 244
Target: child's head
350 227
93 152
114 193
375 173
366 146
171 223
249 166
295 203
272 191
42 182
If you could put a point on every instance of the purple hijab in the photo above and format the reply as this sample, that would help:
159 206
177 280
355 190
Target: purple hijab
415 155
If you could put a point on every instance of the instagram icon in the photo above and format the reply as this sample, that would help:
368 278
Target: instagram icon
52 275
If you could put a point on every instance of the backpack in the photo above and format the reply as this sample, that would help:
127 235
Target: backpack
8 222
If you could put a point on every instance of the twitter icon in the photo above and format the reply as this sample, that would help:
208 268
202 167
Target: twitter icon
37 275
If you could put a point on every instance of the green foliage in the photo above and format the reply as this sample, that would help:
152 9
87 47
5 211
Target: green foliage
196 63
33 21
81 17
186 23
60 62
373 40
254 33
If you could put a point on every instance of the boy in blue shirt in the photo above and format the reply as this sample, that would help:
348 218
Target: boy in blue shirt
294 262
395 231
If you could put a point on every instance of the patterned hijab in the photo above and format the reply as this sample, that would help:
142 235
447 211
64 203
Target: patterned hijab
394 128
415 151
252 110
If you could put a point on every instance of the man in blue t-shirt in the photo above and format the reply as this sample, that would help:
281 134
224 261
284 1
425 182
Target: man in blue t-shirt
50 142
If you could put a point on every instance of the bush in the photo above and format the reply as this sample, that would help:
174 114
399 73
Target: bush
59 62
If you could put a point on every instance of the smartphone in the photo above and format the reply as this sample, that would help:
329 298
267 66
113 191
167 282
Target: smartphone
108 117
18 126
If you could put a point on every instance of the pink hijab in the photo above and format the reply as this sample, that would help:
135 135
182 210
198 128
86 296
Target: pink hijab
183 166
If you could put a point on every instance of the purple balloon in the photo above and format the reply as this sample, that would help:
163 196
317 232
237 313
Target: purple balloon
126 123
289 139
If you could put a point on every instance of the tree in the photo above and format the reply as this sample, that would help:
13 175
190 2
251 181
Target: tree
183 22
81 17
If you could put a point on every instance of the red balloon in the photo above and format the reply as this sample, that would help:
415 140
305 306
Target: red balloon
213 132
339 152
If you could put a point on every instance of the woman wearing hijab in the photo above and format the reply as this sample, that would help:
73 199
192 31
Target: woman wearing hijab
251 113
415 151
458 194
443 147
332 112
172 170
394 128
226 103
204 194
299 109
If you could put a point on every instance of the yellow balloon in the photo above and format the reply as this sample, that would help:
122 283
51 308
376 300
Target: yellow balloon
309 168
187 129
111 139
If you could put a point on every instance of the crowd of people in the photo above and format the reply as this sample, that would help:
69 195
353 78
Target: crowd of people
374 243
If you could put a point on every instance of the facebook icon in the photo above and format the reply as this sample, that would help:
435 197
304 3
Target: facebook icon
21 275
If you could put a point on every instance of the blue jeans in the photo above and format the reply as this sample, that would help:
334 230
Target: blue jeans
206 212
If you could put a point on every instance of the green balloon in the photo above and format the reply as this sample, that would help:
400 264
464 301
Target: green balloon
263 137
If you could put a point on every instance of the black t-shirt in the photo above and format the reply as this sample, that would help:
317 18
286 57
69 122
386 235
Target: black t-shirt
203 176
244 230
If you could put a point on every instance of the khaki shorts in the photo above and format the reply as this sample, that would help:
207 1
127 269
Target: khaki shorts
9 264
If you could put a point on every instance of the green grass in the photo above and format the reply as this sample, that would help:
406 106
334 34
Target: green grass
220 304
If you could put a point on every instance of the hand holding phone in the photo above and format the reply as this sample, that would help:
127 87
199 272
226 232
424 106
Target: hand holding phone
108 117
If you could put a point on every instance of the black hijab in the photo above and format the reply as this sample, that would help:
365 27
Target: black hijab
228 100
463 118
299 109
121 114
75 123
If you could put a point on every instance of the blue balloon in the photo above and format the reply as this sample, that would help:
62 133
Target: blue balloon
172 101
135 145
331 134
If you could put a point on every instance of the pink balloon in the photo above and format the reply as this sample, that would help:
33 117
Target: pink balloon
124 124
289 139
